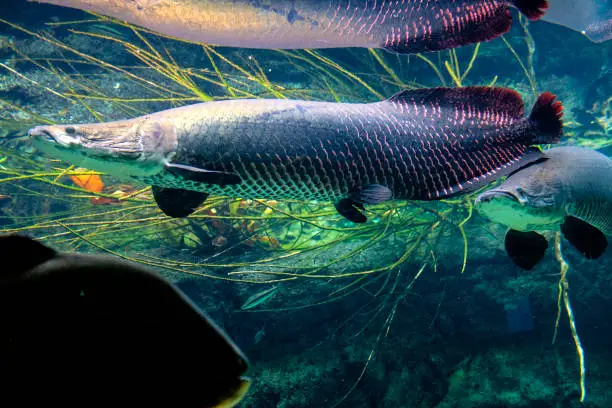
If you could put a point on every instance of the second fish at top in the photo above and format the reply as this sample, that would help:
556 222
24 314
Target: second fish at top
402 26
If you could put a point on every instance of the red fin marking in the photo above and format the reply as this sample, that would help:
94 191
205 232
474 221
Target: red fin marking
546 115
464 28
495 25
501 100
533 9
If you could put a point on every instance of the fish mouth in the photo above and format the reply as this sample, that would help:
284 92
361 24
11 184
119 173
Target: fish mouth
493 194
54 134
42 132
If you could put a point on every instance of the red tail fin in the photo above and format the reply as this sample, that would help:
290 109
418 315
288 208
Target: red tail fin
546 116
533 9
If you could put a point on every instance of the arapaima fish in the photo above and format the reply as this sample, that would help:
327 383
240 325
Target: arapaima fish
423 144
402 26
569 190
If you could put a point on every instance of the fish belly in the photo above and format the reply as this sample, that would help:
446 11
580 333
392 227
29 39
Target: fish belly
281 24
403 26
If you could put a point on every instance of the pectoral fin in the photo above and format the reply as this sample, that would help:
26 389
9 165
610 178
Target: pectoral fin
587 239
202 175
525 249
372 194
177 203
351 208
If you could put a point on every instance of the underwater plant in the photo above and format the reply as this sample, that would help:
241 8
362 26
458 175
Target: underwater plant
100 69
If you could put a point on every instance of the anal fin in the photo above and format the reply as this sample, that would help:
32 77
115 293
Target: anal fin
587 239
525 249
351 208
177 203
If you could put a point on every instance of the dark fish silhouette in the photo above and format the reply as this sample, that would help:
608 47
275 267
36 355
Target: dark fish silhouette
569 189
423 144
90 328
403 26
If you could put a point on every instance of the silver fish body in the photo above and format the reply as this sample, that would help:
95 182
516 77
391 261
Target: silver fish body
404 26
421 145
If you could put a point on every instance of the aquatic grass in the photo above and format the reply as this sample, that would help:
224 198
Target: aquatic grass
412 237
453 68
101 226
119 221
527 67
563 287
157 78
18 125
185 78
336 80
385 328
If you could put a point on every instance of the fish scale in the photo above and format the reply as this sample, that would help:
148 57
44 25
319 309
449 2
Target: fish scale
590 198
403 26
595 211
422 145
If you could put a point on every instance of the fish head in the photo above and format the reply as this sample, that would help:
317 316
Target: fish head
126 149
529 200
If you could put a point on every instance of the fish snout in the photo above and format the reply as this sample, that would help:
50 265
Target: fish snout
41 132
63 135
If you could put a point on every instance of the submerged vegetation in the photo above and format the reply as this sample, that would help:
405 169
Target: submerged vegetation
100 69
157 79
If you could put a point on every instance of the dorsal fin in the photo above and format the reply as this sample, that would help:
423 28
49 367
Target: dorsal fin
499 100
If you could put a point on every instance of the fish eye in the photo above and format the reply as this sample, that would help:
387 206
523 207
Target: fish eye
70 130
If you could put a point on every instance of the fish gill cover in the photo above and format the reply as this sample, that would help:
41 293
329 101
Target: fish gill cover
329 313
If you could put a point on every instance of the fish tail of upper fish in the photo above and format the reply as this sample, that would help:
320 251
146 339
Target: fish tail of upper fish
546 119
460 25
532 9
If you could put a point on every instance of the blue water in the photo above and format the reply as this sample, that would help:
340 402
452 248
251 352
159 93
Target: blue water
385 316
